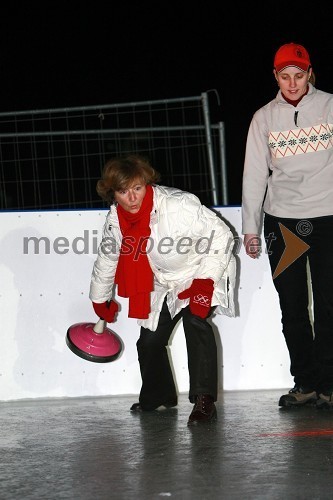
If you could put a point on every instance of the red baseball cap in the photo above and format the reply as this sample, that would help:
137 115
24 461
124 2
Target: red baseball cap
292 54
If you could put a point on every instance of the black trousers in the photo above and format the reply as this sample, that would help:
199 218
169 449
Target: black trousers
309 341
158 385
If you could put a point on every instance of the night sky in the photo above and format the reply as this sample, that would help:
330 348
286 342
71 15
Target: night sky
65 53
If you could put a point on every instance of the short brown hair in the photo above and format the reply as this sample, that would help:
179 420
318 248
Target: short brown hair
119 172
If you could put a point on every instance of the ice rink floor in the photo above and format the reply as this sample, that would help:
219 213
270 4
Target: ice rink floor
96 449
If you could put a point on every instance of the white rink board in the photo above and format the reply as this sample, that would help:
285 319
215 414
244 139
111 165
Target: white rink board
44 292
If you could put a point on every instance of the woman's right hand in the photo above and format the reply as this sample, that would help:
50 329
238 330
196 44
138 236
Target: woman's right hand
252 245
106 310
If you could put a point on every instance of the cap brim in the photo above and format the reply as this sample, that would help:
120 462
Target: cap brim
299 65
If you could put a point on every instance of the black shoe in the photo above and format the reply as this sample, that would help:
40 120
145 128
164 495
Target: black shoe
137 407
203 411
299 396
325 401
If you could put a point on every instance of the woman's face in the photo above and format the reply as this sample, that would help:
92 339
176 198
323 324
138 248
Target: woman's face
293 82
130 199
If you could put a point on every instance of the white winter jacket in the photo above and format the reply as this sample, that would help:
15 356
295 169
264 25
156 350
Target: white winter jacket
187 241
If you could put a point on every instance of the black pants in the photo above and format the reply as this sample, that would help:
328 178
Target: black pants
158 384
310 343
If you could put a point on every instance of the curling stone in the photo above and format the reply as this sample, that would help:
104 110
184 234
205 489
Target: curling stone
94 342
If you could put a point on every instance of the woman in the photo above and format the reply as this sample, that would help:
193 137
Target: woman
288 178
172 257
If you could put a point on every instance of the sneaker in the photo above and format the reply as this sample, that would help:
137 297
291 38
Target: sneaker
325 401
298 396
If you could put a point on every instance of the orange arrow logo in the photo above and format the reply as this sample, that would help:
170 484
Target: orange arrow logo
295 247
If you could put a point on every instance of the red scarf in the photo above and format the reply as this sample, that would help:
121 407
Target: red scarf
134 276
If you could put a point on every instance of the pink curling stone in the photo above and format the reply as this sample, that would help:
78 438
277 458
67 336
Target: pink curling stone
94 342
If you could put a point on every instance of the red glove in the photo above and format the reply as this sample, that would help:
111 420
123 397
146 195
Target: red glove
106 310
200 294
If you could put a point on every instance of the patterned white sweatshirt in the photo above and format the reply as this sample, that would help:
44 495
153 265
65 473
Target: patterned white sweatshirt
288 168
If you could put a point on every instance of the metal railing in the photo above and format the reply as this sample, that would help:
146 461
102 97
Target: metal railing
52 159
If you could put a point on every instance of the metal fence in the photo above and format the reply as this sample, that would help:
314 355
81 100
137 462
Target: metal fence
52 159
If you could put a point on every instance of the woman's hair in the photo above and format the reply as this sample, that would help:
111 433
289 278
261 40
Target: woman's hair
312 78
119 173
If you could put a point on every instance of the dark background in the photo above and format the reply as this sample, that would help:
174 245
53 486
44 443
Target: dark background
64 54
